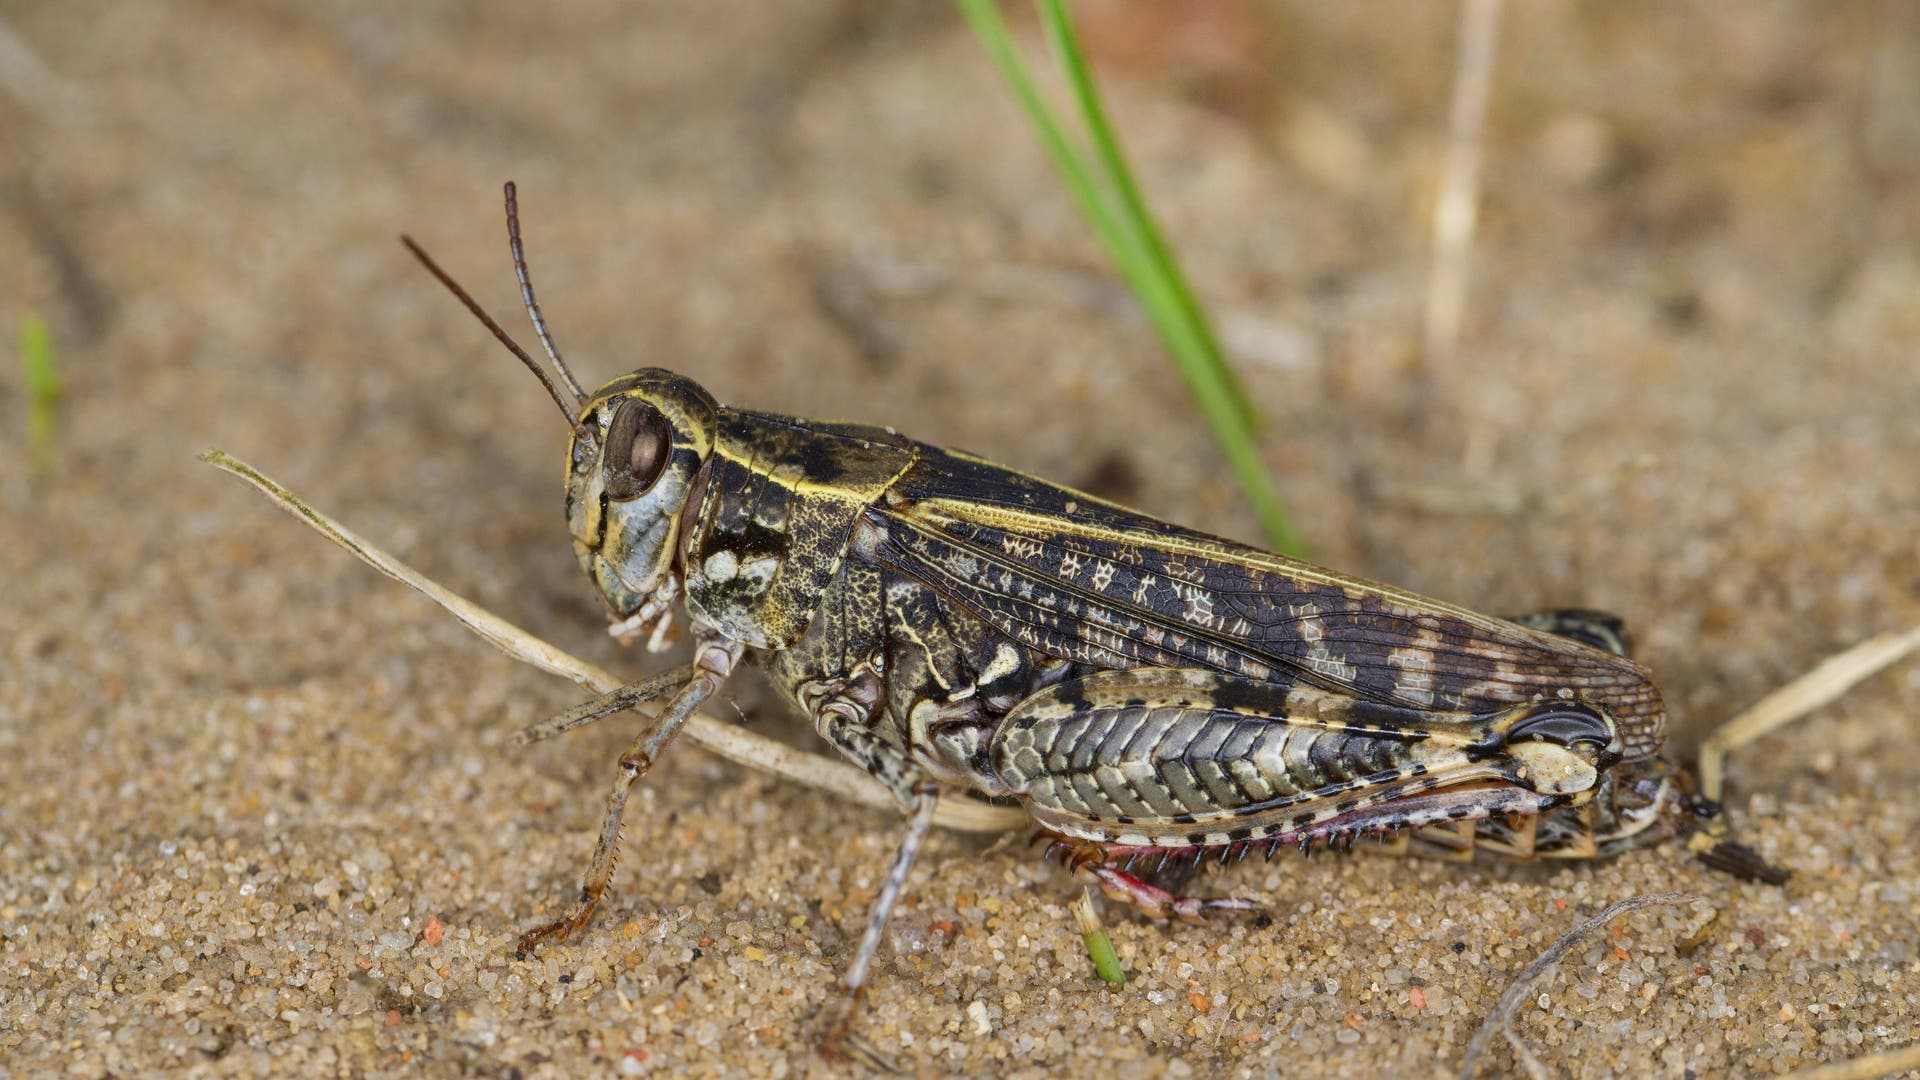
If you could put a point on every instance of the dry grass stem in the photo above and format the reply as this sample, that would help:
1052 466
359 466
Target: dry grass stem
29 80
731 742
1833 677
1866 1067
1456 210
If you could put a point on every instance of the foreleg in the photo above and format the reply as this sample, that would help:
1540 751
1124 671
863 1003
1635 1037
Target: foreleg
714 660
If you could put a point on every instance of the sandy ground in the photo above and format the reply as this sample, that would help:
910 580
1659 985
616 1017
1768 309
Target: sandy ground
258 814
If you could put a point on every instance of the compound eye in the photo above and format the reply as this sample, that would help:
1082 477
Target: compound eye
638 442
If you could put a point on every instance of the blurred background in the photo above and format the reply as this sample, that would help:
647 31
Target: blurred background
1683 387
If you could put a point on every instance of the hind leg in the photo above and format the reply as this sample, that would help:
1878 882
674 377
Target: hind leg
1157 903
1155 893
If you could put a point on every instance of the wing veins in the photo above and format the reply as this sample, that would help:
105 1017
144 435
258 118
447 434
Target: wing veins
1295 667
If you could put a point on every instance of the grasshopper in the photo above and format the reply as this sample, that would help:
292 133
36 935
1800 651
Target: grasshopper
1151 695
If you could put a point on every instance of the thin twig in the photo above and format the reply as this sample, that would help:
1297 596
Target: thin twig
1500 1020
733 743
1536 1070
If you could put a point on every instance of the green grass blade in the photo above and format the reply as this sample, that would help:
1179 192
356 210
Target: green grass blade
994 35
1106 963
1133 206
1106 193
41 371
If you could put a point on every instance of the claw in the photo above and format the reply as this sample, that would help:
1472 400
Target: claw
559 929
842 1044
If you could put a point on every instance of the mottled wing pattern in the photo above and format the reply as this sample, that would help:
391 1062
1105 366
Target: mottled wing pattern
1084 579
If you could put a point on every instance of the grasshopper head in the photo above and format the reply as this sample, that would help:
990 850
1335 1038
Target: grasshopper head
637 445
640 442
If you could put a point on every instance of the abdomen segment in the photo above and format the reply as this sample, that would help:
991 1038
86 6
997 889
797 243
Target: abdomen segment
1189 757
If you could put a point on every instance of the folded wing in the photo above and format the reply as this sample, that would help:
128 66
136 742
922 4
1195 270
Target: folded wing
1086 580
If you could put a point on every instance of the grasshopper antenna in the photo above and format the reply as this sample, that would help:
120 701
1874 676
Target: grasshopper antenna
526 294
487 321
